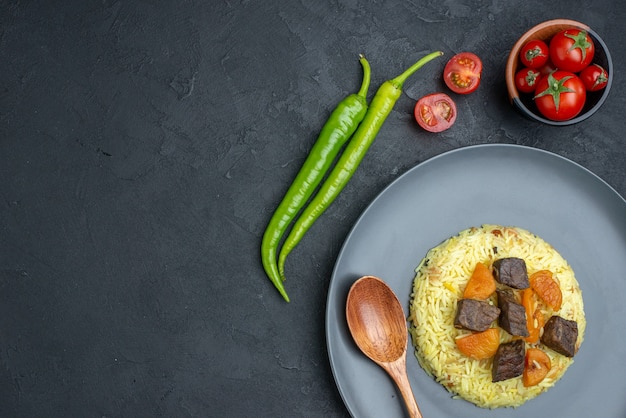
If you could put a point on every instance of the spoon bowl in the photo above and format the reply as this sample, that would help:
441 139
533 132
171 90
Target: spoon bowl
378 326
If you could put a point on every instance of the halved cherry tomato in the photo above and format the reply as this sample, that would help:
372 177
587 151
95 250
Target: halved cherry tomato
435 112
560 95
594 77
526 79
462 72
534 54
571 50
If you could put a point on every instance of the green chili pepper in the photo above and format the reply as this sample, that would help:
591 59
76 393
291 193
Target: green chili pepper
380 107
339 127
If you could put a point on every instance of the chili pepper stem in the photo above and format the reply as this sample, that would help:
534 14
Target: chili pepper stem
366 76
399 80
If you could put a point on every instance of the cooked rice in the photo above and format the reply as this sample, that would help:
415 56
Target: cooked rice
438 285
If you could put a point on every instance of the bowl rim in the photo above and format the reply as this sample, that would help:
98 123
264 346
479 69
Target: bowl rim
513 57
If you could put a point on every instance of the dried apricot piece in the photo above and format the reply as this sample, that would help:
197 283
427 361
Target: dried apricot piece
480 345
536 367
481 284
534 316
547 288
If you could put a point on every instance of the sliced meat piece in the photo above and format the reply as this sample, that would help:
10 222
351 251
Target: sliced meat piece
512 314
475 315
508 361
560 334
511 271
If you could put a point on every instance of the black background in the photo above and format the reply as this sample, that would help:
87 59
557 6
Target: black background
144 146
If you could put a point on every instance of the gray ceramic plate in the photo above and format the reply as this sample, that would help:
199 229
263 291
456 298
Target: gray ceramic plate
555 198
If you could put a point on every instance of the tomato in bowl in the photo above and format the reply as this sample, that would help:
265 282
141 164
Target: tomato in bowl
546 31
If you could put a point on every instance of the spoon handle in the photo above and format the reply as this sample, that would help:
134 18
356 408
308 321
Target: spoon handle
397 371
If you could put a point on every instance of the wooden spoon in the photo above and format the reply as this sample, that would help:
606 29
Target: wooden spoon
378 326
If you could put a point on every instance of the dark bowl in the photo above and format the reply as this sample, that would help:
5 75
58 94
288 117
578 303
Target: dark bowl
545 31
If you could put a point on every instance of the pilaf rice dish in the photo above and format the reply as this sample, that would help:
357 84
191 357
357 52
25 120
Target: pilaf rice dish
439 285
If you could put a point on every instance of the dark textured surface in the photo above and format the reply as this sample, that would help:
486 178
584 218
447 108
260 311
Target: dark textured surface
143 148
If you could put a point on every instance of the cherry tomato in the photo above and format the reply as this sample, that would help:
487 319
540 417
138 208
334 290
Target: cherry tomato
571 50
547 68
462 72
435 112
560 95
534 54
594 77
526 79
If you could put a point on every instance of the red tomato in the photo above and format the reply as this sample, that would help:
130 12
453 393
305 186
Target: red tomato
547 68
560 95
571 50
534 54
462 72
526 79
435 112
594 77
